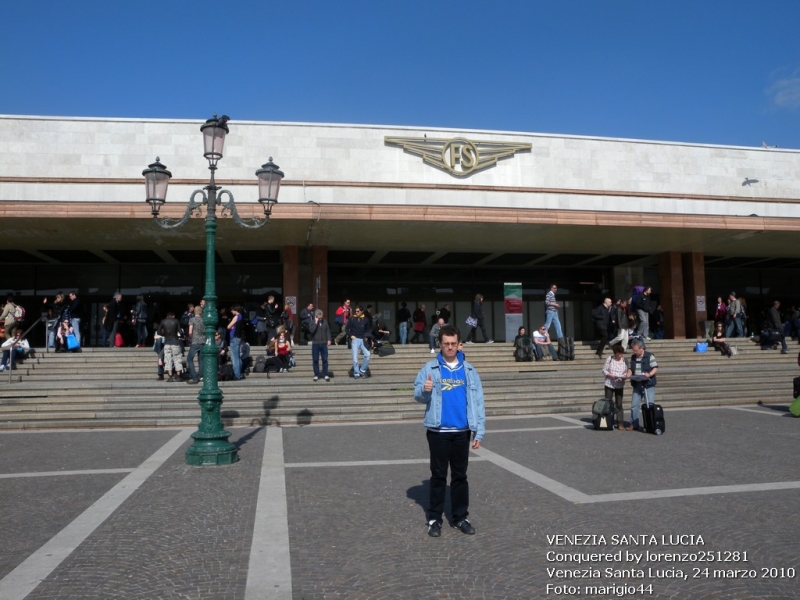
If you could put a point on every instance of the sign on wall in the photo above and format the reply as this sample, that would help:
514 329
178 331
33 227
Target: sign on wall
513 309
458 156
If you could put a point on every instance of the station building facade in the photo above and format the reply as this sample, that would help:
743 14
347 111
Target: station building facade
383 215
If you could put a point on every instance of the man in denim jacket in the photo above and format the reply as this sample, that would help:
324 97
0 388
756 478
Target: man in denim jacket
451 388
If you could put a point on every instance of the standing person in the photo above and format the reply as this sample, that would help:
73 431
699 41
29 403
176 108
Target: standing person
107 324
451 389
139 319
775 320
186 316
235 334
551 312
173 348
403 317
261 325
75 314
721 310
643 372
273 311
419 323
307 315
358 330
658 320
115 316
343 314
444 313
477 314
643 307
616 371
287 320
621 310
320 333
601 315
197 339
733 317
8 314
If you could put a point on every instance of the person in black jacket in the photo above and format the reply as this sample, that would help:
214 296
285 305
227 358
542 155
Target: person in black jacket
320 333
601 315
643 307
775 319
477 314
358 330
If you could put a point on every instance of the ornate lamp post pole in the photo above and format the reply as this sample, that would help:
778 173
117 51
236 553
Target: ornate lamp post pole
211 445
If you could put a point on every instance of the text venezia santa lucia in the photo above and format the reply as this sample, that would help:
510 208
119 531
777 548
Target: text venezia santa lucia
591 539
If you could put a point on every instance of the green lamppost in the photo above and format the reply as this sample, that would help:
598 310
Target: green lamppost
211 445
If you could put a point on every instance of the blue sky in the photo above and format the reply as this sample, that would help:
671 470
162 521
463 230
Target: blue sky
719 71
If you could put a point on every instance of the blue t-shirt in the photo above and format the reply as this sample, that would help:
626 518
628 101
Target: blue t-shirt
454 396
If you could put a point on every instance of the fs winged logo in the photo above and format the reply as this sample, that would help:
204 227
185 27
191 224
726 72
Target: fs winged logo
457 156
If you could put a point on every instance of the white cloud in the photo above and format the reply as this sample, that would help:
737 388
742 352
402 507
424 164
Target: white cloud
785 93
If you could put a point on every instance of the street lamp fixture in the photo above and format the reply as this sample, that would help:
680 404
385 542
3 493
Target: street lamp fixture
211 445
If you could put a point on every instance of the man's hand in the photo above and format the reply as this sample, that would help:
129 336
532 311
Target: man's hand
428 387
476 444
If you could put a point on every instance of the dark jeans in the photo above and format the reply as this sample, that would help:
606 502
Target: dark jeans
617 394
320 351
472 333
449 449
194 349
603 341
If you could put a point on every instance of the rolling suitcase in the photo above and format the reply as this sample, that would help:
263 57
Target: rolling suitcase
653 418
603 415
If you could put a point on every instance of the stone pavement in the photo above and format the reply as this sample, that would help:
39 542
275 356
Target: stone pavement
711 509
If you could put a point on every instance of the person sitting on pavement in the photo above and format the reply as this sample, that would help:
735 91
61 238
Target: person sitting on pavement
541 341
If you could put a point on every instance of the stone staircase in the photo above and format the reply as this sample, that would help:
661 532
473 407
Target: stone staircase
118 387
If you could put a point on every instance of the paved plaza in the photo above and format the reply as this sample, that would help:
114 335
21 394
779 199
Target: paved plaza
711 509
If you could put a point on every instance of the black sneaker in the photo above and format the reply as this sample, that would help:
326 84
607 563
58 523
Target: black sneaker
435 529
465 527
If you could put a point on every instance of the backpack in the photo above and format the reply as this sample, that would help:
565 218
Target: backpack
339 320
19 313
261 364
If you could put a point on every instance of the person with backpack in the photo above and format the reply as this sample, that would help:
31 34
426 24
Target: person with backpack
9 314
523 346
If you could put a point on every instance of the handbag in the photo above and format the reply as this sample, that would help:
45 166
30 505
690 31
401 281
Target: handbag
472 322
72 342
419 326
701 347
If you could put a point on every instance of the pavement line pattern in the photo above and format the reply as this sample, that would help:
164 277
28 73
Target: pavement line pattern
551 485
569 419
57 473
33 570
528 429
698 491
760 411
269 574
370 463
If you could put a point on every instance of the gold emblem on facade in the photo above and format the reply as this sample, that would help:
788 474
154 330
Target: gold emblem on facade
457 156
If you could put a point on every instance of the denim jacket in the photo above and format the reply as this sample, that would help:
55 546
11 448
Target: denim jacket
476 413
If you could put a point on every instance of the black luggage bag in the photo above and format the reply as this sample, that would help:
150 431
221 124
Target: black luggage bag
653 418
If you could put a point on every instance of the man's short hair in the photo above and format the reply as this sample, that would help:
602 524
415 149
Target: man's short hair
198 310
171 314
449 331
637 344
318 313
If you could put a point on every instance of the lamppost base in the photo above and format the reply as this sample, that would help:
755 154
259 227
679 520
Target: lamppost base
212 453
